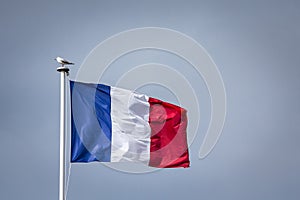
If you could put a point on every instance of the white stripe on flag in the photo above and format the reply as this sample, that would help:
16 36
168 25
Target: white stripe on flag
130 127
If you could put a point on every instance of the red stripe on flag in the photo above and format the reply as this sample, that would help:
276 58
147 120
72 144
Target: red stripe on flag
168 148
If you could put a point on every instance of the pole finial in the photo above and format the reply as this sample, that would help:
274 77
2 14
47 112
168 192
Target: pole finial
63 69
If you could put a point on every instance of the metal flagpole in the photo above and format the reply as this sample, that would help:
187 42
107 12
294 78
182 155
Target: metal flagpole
64 71
62 158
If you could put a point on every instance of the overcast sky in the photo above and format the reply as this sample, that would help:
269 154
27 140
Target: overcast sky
256 46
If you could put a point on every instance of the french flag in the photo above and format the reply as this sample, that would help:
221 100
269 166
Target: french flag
110 124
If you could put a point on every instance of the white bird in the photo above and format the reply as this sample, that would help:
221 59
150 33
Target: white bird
63 61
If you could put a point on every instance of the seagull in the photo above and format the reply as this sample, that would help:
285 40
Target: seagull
63 61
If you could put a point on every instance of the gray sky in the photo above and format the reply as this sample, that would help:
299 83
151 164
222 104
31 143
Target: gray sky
255 44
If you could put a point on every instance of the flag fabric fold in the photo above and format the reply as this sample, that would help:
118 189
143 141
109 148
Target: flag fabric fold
110 124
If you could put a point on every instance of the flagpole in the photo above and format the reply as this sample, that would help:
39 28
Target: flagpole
64 71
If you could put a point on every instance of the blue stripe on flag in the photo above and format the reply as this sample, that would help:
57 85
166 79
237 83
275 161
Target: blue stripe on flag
91 122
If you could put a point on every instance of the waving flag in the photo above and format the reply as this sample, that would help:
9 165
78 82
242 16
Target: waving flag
111 124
